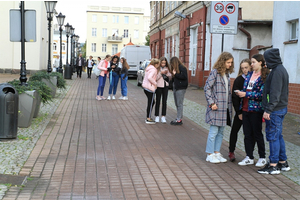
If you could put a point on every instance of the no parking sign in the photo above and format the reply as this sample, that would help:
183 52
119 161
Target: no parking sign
224 17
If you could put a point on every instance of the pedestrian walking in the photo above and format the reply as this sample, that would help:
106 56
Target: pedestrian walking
102 77
180 78
150 85
124 77
79 65
219 105
275 101
56 63
90 63
114 75
251 105
245 67
163 78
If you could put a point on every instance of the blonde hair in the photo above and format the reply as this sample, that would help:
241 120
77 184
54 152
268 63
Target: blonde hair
220 63
246 60
154 61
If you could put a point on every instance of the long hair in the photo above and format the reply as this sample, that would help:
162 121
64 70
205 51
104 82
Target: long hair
220 63
264 70
246 60
107 56
154 61
165 59
125 64
115 56
175 62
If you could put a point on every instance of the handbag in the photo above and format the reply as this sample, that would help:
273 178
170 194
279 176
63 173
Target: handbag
96 71
166 78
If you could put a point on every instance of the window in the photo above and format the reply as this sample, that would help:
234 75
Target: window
116 19
94 18
103 47
94 32
294 29
104 18
104 32
136 20
125 33
54 46
93 47
136 34
115 32
126 19
114 49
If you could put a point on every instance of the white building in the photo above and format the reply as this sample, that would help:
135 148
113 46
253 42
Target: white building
36 53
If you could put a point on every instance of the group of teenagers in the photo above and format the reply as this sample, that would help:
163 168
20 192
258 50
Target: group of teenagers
259 93
114 68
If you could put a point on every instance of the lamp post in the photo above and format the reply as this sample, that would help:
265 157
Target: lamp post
50 6
68 29
72 35
76 38
60 20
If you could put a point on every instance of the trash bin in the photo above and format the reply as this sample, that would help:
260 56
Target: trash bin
9 107
68 72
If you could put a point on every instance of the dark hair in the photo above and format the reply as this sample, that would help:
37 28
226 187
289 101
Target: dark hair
264 70
99 58
107 56
115 56
175 62
125 64
246 60
165 59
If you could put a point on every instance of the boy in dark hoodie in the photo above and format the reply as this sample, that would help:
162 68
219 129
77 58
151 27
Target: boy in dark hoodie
275 101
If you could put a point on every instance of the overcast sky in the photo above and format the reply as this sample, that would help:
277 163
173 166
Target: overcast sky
75 11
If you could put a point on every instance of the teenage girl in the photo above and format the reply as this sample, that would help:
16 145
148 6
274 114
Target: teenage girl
124 77
102 76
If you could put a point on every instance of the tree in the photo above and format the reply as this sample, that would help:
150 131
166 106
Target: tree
83 50
148 40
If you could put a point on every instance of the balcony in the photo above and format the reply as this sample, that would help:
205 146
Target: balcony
114 38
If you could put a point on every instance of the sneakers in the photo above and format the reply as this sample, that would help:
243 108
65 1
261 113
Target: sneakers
231 156
113 98
212 158
163 120
125 98
246 161
150 121
220 157
157 119
98 98
283 166
176 122
268 169
108 98
121 98
261 162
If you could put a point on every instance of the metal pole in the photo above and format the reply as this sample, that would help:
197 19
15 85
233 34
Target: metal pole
72 63
23 77
67 62
60 70
222 42
49 42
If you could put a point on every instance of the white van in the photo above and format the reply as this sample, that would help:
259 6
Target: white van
135 55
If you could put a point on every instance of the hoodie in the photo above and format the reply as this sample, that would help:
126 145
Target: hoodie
149 82
276 91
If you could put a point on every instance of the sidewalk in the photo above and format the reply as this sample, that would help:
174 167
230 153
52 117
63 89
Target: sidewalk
104 150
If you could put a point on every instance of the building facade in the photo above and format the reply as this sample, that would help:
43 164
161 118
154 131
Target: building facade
110 28
36 53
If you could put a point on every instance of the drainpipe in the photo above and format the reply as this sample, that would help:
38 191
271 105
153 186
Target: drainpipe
248 36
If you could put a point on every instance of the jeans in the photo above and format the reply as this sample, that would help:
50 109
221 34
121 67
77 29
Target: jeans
178 99
252 127
214 139
113 83
161 93
274 136
101 85
124 85
236 126
150 102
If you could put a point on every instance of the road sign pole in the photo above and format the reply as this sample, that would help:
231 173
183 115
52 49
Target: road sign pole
222 43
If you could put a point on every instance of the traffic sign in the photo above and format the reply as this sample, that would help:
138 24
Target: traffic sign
224 17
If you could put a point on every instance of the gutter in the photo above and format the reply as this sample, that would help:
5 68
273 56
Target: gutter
248 36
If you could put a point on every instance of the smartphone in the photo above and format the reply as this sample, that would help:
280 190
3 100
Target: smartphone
236 90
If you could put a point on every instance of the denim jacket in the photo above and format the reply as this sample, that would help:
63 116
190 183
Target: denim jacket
254 96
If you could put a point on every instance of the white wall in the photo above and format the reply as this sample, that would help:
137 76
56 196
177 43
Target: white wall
290 53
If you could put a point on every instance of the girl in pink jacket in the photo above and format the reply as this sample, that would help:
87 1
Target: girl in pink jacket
150 85
102 77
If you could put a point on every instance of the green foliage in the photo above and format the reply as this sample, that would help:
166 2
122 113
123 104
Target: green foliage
38 76
147 40
20 88
61 82
83 50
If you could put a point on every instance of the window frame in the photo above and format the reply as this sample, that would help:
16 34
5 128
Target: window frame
94 32
104 18
93 47
104 35
126 17
105 48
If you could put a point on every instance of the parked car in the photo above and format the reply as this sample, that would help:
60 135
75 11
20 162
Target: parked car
141 72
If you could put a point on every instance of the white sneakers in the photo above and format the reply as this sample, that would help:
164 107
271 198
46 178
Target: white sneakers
121 97
261 162
215 158
108 98
163 119
247 161
113 98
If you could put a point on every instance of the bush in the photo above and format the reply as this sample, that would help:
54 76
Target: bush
61 82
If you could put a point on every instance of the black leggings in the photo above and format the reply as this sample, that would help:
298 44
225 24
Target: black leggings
236 126
151 102
161 92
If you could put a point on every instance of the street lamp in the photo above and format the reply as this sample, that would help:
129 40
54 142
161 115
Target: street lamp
68 31
60 20
50 6
72 35
76 38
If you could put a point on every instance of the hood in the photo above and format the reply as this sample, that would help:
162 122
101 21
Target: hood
272 58
149 68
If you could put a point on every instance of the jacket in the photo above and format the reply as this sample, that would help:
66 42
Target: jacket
215 92
254 96
276 90
117 68
149 81
82 61
236 100
160 80
181 79
103 67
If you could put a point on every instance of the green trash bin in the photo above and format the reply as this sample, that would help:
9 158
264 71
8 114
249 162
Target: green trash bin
9 106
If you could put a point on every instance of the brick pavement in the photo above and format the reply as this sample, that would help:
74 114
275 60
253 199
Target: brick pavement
104 150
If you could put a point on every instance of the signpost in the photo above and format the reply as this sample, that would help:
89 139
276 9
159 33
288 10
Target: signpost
224 18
